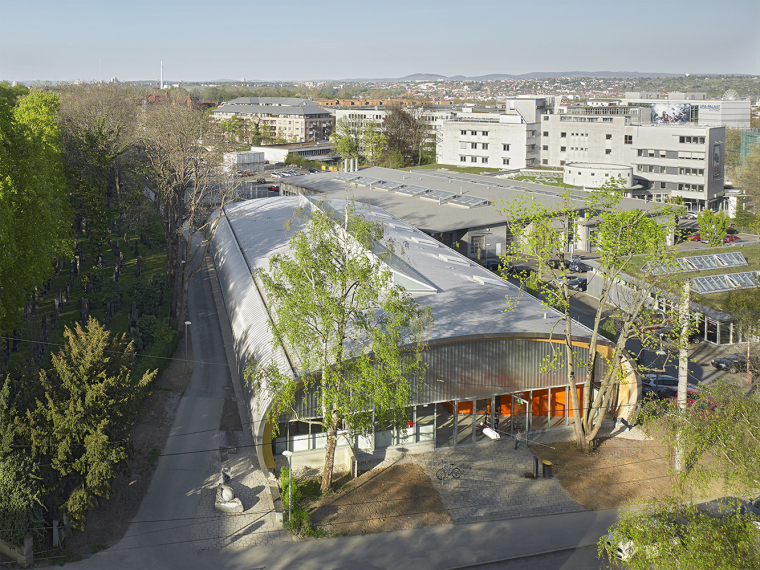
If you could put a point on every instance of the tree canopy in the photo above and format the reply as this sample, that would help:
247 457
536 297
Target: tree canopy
713 226
356 337
34 204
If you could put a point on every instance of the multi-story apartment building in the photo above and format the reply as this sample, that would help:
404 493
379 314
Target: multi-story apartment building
668 158
293 120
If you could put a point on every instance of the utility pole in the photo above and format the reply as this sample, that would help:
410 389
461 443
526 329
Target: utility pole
683 365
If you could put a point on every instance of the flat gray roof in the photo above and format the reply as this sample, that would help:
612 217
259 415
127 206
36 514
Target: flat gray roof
466 299
441 201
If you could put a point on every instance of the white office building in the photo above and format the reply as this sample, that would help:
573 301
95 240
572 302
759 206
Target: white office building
669 157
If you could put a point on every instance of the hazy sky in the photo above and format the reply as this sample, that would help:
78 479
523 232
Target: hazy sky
52 40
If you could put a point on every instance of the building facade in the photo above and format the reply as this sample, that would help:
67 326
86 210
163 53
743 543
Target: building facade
668 159
290 119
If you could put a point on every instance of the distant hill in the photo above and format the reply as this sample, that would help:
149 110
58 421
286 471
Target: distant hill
532 75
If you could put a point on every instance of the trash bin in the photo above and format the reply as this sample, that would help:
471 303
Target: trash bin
547 469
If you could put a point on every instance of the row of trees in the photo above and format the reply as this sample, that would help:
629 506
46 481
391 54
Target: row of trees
98 153
404 138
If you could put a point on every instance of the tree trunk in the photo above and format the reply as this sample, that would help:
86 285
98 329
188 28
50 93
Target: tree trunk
332 441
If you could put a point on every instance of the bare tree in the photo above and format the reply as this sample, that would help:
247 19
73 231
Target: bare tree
184 151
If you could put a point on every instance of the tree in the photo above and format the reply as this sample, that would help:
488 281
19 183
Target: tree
744 307
749 177
81 427
619 236
718 432
373 141
99 125
357 337
408 133
733 146
35 217
184 149
347 137
713 226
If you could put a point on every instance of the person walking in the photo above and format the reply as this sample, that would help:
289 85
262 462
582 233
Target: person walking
518 437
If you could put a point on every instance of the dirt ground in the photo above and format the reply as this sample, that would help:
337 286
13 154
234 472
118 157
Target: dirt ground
619 471
399 497
108 523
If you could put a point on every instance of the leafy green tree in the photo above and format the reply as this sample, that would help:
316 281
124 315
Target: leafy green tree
82 426
733 146
373 141
749 177
34 206
346 137
718 434
618 236
744 307
408 133
713 226
338 313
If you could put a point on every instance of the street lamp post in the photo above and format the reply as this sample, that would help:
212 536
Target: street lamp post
187 324
289 454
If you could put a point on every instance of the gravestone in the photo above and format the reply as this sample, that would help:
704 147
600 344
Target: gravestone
84 311
139 266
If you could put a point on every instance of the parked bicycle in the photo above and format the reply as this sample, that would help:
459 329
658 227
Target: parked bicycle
448 469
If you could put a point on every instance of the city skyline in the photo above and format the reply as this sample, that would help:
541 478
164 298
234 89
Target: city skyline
294 40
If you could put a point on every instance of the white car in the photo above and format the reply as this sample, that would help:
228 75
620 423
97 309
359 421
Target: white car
276 175
691 215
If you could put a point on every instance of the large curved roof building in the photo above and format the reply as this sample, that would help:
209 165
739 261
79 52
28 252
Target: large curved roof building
483 360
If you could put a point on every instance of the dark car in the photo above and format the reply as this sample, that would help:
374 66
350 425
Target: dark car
657 380
578 283
261 181
733 362
557 263
493 265
274 188
519 271
313 170
579 267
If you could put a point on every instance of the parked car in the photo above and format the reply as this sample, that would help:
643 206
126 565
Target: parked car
579 267
578 284
274 188
313 170
732 231
557 263
691 215
656 380
559 281
519 270
493 264
649 320
731 238
261 181
695 237
733 362
276 175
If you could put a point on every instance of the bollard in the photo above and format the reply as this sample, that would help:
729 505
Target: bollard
547 469
535 467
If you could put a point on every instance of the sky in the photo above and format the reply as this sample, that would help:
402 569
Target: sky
293 40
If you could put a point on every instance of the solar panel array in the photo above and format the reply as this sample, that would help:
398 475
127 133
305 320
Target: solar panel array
388 186
700 263
720 283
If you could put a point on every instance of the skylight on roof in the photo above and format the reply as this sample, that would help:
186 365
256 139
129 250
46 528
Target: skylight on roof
412 190
728 282
700 263
439 196
468 201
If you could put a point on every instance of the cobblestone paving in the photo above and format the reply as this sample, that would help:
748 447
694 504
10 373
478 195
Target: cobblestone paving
493 485
253 527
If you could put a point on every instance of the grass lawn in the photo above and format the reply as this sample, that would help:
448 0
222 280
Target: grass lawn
465 169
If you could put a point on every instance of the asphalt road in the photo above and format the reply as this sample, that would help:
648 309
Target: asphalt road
173 496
